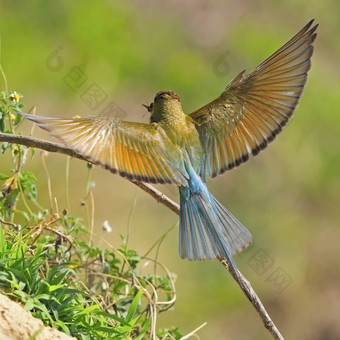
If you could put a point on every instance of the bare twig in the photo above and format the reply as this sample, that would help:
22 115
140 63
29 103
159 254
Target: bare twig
158 196
161 198
254 299
54 147
15 226
40 144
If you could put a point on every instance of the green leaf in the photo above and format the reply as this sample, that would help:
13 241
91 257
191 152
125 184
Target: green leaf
144 330
43 297
134 306
3 177
114 317
29 304
27 181
2 122
89 310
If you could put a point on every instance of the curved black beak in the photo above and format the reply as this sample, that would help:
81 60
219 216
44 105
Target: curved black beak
148 107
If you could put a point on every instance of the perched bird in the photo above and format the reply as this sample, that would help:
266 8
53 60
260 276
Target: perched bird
188 149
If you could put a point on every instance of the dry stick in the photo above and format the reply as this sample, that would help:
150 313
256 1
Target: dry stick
161 198
254 299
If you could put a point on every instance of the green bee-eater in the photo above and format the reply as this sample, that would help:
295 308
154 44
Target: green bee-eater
188 149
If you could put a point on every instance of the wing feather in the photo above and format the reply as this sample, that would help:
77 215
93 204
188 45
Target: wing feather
134 150
252 110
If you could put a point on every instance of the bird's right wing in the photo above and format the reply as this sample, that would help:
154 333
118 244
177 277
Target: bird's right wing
135 150
253 109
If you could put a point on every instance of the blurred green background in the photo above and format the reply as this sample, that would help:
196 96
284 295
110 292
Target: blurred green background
288 196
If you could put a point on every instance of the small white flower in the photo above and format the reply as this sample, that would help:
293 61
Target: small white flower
106 226
15 97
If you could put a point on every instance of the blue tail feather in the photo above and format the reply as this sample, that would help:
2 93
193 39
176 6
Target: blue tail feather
207 229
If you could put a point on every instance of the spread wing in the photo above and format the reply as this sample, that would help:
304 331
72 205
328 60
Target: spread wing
252 110
134 150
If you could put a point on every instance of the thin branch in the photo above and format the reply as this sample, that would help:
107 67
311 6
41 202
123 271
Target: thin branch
54 147
15 226
39 144
158 196
254 299
161 198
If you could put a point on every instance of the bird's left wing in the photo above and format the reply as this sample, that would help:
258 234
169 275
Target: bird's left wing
135 150
252 110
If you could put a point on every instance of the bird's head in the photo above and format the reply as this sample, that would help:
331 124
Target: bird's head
165 103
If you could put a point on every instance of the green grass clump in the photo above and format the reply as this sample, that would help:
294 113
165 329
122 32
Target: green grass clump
82 290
